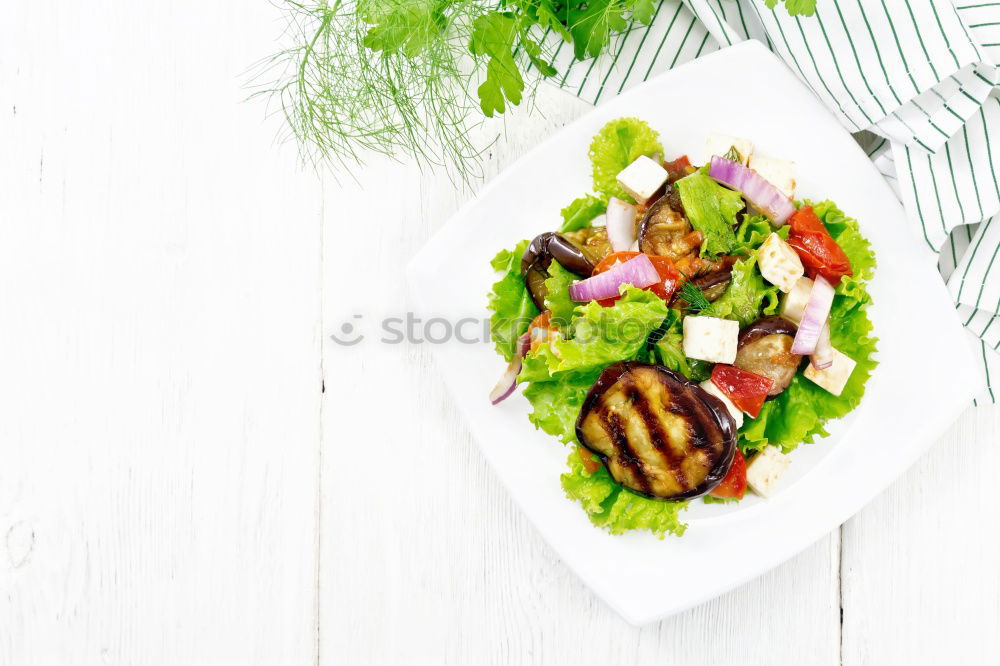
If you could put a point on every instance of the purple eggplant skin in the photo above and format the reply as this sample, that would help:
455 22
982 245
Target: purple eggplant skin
539 255
765 348
659 435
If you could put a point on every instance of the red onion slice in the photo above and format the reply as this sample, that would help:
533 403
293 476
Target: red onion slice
620 223
822 358
813 319
508 381
637 271
762 194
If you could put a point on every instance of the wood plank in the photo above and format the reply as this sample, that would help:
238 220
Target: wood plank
424 558
920 572
159 279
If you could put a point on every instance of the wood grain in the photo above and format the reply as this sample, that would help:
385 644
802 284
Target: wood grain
159 283
176 487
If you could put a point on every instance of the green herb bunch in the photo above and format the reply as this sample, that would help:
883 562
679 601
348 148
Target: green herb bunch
416 77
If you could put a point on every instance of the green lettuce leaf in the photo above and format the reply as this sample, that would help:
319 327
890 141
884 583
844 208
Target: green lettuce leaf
800 413
556 404
617 510
557 301
667 348
748 296
618 144
509 302
752 233
712 210
603 335
581 212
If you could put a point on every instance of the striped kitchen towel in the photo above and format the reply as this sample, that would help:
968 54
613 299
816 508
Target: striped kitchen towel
915 80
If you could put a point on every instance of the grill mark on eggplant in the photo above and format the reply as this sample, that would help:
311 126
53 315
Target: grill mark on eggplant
626 398
613 426
657 437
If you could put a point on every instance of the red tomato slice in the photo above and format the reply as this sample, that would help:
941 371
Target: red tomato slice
734 485
819 253
669 277
746 389
678 165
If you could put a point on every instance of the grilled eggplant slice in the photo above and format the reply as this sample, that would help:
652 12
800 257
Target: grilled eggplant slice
659 434
765 349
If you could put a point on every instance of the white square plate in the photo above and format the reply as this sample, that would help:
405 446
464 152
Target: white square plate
926 375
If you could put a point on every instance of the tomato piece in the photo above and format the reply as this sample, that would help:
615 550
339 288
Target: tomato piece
746 389
734 485
669 276
819 253
678 165
540 330
590 463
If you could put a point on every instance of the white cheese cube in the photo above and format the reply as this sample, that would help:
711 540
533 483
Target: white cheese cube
710 387
765 469
835 377
642 178
793 306
779 263
710 339
780 173
719 144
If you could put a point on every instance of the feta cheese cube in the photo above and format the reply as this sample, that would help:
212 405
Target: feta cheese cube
765 469
779 263
642 178
719 144
793 306
711 388
835 377
780 173
710 339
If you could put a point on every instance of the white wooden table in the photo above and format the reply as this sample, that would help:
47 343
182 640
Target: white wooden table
176 487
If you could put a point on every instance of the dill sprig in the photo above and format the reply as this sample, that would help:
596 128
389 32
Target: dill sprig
385 77
418 78
693 296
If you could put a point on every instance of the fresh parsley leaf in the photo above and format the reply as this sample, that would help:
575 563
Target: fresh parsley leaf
494 36
795 7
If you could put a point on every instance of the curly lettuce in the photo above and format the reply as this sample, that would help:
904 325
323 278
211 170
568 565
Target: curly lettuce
616 145
599 336
557 300
510 302
556 404
800 413
748 296
581 212
614 508
712 210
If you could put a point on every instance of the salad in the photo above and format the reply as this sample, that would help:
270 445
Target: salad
684 328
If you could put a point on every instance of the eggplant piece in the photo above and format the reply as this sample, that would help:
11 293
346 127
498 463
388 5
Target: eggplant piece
665 231
539 255
765 349
592 241
659 434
